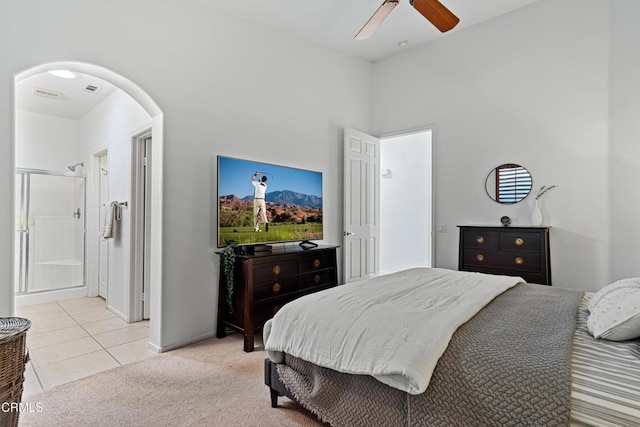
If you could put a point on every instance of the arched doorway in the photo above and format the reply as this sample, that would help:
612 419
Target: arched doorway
130 301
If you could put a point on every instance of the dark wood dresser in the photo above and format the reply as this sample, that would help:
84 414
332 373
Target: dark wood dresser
265 281
512 251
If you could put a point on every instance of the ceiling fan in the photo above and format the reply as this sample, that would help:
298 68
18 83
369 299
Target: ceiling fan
441 17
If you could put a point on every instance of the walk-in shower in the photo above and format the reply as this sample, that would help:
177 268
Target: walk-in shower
50 231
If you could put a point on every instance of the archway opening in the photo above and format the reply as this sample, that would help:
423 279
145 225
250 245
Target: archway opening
128 297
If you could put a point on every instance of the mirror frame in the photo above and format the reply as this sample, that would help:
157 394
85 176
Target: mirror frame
518 193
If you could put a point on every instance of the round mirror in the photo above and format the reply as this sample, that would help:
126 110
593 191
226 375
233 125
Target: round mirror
508 183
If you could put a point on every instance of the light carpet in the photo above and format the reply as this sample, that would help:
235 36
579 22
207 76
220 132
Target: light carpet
209 383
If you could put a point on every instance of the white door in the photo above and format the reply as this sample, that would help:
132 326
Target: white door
146 308
103 248
361 247
141 231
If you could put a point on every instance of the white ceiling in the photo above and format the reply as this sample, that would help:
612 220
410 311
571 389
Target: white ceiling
334 23
75 101
329 23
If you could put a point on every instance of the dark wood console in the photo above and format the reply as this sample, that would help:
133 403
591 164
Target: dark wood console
512 251
265 281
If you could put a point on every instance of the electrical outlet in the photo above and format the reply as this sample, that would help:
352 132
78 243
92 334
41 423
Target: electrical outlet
442 228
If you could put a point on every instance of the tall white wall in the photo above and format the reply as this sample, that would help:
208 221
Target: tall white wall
625 139
405 202
224 87
45 142
110 125
529 87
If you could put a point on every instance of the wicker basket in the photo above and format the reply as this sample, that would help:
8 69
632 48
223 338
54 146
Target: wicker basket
13 358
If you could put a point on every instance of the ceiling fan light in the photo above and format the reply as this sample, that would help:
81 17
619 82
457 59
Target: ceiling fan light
374 22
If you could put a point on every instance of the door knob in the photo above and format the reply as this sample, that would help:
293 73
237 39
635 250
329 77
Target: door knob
347 233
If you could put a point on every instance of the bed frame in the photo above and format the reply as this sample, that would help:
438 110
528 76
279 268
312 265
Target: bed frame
276 387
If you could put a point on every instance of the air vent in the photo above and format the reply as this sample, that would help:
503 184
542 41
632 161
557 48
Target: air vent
47 93
91 89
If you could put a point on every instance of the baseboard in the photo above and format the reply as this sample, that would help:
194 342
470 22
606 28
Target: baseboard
181 344
117 313
153 347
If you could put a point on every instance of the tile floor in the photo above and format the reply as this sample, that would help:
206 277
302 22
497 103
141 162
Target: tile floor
73 339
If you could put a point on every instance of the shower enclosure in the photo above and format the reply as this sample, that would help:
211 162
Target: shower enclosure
50 231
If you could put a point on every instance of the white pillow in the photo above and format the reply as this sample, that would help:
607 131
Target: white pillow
624 283
615 315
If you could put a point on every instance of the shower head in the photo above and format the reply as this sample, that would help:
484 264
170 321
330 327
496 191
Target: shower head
73 168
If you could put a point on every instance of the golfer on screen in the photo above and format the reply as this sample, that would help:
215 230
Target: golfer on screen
259 207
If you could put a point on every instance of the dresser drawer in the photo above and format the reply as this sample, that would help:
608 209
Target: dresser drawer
322 261
515 261
481 239
274 288
317 278
528 242
266 310
532 277
308 291
264 272
528 276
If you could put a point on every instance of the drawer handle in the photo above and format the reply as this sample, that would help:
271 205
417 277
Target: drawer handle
519 260
316 279
480 257
275 309
519 241
480 239
316 263
276 288
276 270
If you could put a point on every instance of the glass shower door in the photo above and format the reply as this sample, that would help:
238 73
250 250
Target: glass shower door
52 255
21 234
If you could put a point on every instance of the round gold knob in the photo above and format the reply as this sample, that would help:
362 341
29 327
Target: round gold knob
480 257
275 309
276 270
519 241
276 288
480 239
519 260
316 263
316 279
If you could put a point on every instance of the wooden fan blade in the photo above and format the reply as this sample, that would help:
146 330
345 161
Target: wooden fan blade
436 13
376 19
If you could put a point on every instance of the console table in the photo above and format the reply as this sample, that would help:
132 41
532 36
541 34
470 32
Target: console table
265 281
512 251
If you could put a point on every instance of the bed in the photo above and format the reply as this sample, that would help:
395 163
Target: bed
507 353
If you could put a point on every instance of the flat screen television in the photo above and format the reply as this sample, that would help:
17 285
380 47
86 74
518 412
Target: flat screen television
292 204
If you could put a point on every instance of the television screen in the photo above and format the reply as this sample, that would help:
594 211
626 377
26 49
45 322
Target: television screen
266 203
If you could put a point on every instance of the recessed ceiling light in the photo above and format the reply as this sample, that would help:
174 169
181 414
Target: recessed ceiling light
403 43
64 74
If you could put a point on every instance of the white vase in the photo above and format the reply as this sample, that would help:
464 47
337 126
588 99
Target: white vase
536 214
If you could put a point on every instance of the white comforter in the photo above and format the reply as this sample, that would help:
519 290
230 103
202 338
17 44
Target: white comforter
393 327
